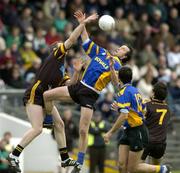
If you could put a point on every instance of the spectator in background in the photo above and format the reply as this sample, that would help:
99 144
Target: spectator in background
28 55
75 5
146 55
39 39
36 64
175 94
96 144
157 5
136 73
173 56
164 36
120 22
14 37
4 164
91 5
16 80
156 21
140 8
7 138
144 37
60 21
174 22
51 8
28 35
16 54
133 24
42 52
145 85
25 19
40 21
52 36
143 21
104 107
71 129
2 44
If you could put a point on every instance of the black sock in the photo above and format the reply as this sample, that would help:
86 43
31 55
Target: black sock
64 153
17 151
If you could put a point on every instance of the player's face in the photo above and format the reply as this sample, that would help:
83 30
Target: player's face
121 51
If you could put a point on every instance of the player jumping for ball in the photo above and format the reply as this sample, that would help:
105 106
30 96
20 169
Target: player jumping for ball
95 78
51 75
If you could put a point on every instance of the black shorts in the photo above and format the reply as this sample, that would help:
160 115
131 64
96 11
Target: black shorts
83 95
136 137
34 95
154 150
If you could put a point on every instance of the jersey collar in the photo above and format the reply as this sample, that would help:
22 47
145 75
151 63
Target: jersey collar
114 57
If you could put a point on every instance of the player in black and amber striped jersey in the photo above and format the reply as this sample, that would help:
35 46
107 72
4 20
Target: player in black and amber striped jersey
157 120
50 75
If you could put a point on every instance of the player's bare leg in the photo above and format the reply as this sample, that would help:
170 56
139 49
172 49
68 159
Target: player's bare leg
134 165
123 158
59 93
36 117
85 120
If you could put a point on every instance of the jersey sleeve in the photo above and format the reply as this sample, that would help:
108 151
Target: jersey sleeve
65 78
92 49
59 50
124 102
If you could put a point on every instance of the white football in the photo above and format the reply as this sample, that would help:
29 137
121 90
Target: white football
106 23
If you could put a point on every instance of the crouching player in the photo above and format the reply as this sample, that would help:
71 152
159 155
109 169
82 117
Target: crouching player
129 104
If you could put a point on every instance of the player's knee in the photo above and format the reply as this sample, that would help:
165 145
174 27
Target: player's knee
131 169
59 124
122 165
83 131
38 130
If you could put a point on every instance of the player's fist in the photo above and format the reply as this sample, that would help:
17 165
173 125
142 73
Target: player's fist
107 137
114 106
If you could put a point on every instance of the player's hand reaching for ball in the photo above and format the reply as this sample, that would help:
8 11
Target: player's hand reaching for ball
107 137
81 17
78 64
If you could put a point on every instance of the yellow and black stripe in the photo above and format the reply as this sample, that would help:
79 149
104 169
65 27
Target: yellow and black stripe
33 91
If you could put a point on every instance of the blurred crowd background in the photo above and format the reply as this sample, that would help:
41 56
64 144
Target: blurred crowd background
152 27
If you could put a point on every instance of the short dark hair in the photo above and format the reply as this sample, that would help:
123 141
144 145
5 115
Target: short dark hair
128 55
125 75
160 91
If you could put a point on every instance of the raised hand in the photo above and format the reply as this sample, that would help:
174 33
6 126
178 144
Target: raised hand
81 18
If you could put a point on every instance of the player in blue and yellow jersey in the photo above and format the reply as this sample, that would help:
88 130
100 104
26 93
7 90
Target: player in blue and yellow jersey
135 136
96 77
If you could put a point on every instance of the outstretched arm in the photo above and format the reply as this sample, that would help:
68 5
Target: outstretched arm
77 32
80 17
122 117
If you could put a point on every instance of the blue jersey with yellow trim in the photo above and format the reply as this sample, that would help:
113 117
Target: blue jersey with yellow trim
97 75
130 101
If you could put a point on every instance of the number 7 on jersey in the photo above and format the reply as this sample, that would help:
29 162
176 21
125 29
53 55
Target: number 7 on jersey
163 113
